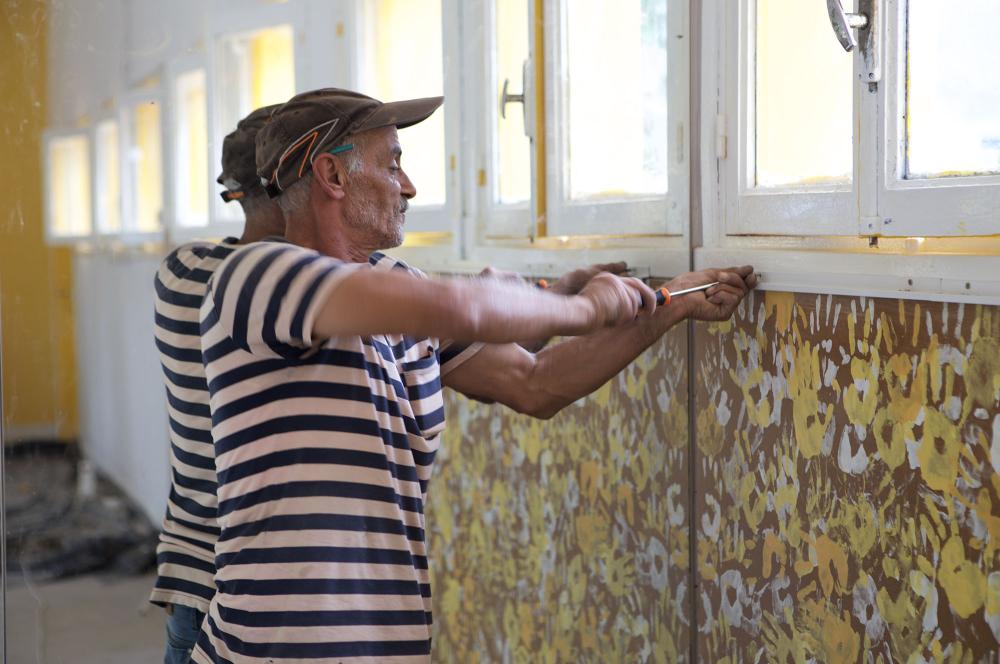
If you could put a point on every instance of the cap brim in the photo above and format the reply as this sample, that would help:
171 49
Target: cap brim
401 114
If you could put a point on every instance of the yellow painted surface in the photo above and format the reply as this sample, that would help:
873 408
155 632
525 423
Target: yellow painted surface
39 380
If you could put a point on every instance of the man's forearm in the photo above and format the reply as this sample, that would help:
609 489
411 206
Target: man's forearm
567 371
369 303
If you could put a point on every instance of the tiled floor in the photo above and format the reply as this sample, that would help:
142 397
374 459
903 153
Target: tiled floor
85 620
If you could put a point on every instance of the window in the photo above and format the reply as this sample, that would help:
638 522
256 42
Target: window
885 141
68 192
584 107
941 174
143 160
107 185
253 68
403 41
191 176
617 74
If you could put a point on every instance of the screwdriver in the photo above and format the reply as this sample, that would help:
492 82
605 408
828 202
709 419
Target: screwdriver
663 296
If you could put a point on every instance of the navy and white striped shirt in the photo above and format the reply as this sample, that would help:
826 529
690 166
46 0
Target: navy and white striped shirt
185 554
324 449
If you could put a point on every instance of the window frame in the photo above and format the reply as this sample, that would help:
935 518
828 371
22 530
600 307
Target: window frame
494 220
50 136
921 207
129 233
177 230
638 215
98 175
821 210
225 22
423 220
912 267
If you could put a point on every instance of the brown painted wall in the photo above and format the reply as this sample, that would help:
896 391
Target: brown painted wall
847 468
567 540
849 481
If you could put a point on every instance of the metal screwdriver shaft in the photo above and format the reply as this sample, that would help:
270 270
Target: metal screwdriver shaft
663 296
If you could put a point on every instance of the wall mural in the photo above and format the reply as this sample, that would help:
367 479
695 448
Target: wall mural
847 470
567 540
849 482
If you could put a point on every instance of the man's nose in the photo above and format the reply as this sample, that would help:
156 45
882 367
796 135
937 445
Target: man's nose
408 190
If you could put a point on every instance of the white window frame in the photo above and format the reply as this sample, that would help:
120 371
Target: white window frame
48 137
129 233
180 230
916 266
493 235
99 175
226 21
923 207
637 215
790 210
492 219
420 218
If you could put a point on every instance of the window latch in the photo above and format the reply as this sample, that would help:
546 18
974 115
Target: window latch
868 23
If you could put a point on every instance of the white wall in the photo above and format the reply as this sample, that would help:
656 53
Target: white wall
123 415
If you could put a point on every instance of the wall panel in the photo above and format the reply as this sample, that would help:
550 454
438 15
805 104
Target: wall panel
567 540
848 481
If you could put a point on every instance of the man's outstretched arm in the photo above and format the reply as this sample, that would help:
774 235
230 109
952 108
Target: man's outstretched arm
367 302
543 384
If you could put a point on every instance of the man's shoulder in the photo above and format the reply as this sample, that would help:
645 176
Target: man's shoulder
194 261
381 261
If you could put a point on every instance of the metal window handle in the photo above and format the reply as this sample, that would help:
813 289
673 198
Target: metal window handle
845 23
507 98
867 21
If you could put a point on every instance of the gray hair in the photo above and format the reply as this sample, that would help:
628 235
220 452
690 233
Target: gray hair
296 196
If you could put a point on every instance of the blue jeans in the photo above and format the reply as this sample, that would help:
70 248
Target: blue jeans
183 626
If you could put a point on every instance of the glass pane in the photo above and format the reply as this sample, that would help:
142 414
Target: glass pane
617 51
147 165
513 147
804 110
191 139
953 118
109 216
407 63
70 186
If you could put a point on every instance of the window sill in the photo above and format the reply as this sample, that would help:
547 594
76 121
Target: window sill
898 271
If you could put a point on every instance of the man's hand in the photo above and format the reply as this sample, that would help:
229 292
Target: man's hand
618 300
574 281
718 302
490 272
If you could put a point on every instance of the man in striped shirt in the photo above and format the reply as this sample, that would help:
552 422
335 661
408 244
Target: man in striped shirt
186 550
325 361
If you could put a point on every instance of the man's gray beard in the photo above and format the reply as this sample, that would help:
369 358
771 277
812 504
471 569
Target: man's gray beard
382 236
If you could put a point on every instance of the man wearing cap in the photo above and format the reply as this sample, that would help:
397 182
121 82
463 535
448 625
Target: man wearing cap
325 360
186 551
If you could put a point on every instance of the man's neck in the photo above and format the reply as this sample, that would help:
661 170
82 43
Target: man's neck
260 226
329 239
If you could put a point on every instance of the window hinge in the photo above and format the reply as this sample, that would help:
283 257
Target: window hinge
721 142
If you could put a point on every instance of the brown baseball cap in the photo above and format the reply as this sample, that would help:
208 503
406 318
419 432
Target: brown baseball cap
312 122
239 167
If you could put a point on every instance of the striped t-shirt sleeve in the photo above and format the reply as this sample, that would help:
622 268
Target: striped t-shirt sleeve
266 297
451 354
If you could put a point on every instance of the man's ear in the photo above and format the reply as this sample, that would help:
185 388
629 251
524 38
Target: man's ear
329 173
